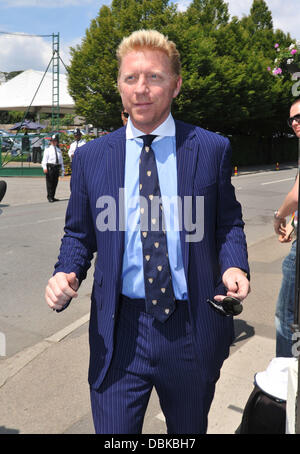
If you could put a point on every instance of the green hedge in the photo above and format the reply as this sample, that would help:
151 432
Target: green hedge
256 151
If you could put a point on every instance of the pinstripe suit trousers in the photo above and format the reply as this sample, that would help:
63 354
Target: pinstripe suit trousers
148 353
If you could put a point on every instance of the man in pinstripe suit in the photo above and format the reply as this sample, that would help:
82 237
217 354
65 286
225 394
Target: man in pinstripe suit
132 350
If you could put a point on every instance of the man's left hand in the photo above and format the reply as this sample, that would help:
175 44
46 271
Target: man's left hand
236 283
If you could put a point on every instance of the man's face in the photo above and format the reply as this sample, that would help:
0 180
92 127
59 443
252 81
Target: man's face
295 110
147 87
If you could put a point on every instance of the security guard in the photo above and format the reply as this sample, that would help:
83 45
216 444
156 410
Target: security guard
78 142
53 165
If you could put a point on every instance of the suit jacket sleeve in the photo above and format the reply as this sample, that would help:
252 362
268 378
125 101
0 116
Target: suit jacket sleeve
79 242
231 240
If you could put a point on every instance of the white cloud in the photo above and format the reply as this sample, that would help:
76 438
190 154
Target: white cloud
286 16
182 4
239 7
20 53
43 3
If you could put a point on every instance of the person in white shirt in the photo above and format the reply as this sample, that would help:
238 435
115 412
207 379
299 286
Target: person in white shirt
53 165
37 146
78 142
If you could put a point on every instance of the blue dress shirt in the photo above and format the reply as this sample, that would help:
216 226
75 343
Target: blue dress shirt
164 148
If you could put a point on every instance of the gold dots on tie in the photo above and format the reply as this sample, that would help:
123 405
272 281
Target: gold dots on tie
159 267
162 290
153 220
167 311
145 234
154 302
150 279
141 186
140 161
147 257
147 149
149 173
156 244
151 196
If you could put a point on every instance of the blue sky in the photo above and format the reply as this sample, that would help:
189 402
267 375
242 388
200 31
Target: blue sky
71 18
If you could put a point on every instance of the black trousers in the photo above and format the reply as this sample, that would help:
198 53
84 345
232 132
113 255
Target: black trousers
3 187
52 175
37 154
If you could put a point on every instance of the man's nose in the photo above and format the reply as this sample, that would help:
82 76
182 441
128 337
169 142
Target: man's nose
141 86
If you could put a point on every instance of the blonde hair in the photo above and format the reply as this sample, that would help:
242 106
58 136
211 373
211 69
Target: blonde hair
153 40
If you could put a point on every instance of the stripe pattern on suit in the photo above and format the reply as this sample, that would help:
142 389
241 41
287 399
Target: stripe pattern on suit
203 169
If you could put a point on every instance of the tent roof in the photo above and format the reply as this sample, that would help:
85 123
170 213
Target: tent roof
17 93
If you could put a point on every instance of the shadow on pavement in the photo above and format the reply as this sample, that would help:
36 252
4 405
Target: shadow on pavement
5 430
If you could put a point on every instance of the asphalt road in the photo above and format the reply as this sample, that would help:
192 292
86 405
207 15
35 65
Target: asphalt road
30 232
260 194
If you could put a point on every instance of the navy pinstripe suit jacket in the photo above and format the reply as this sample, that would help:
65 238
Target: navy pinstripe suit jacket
203 169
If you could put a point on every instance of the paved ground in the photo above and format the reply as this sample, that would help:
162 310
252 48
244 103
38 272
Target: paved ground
43 388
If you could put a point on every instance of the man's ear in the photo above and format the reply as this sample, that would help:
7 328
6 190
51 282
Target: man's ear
178 86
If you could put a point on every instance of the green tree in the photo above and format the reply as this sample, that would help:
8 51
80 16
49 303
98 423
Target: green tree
261 16
226 85
209 13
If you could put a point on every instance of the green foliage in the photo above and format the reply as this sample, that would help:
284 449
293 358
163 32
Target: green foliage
67 120
65 141
260 16
226 85
11 116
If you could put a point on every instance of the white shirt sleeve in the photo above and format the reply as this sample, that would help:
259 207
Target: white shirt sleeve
72 150
61 162
45 158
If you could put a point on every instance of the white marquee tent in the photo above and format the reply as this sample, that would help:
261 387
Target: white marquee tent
17 93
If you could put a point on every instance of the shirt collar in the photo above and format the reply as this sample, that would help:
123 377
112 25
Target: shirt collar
167 128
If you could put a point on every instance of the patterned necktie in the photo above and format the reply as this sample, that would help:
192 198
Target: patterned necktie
56 155
159 295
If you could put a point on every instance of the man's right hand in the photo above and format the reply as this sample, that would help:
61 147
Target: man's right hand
279 226
60 289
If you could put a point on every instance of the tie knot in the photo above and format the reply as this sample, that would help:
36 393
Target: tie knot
148 139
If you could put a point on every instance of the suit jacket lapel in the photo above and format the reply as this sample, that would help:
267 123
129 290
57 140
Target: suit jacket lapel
186 157
115 174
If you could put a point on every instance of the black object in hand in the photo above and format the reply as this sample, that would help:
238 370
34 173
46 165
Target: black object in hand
229 306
